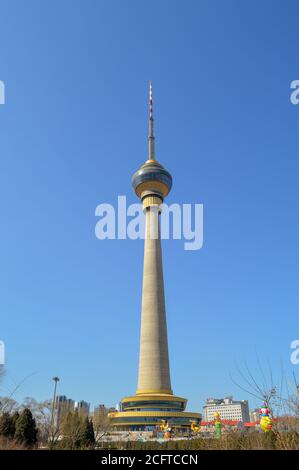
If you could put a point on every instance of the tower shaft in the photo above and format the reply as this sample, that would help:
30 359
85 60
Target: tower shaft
154 375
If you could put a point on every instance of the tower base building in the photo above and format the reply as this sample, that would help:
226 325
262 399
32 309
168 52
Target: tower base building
148 411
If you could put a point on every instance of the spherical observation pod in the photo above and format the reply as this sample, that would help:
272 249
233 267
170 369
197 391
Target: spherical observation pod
152 177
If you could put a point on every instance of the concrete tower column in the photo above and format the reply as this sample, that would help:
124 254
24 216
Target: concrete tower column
154 375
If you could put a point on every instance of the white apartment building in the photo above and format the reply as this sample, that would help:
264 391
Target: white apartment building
227 408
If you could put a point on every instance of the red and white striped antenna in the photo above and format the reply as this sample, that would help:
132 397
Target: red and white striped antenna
151 137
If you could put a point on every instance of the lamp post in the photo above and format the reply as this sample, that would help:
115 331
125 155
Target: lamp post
55 379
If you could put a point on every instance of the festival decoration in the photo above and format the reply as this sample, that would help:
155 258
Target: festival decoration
194 426
217 425
166 428
266 422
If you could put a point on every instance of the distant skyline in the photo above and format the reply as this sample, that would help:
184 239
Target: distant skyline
73 131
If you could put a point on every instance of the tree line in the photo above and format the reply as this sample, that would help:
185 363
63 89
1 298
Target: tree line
21 429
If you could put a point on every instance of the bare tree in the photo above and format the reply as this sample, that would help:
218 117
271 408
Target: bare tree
277 394
41 411
72 430
8 404
261 385
102 425
292 401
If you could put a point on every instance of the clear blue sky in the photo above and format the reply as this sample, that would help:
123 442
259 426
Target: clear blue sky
72 132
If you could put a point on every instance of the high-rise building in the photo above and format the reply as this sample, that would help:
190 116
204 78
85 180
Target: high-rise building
63 406
227 408
82 407
100 416
100 410
154 400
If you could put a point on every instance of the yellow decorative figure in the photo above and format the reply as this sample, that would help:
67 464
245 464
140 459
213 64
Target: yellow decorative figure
163 425
195 427
266 422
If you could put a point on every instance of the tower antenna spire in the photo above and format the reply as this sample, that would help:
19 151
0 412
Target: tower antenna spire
151 137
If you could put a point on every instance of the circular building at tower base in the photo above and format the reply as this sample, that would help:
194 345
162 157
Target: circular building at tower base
146 412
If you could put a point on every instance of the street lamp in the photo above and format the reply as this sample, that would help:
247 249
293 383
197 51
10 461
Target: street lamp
56 379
